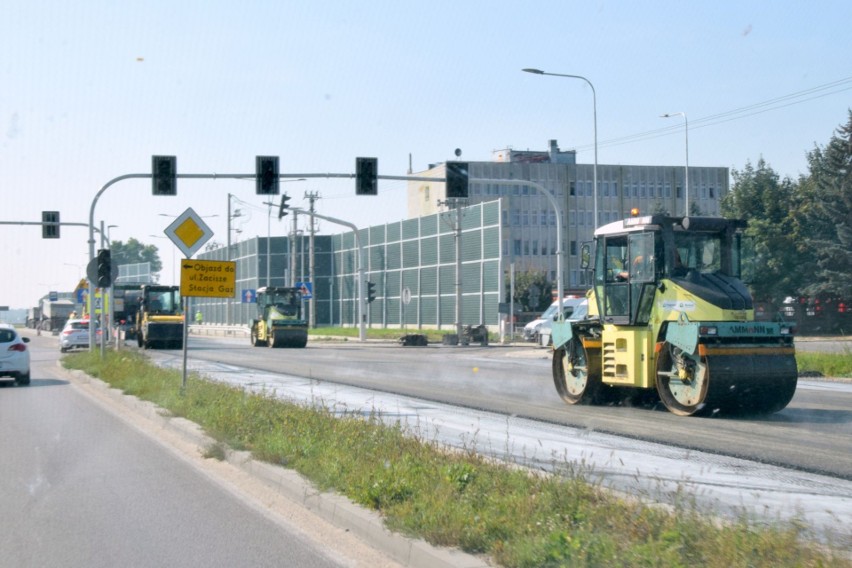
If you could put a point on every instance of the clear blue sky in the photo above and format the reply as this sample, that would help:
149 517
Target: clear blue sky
90 90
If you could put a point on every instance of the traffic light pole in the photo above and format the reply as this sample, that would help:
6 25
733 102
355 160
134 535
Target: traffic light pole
362 312
252 175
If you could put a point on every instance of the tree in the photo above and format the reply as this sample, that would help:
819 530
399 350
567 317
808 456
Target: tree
763 199
134 252
532 291
829 212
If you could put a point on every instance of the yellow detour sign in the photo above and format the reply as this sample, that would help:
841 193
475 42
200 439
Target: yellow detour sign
208 278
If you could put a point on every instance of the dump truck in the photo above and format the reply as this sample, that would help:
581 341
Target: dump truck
671 316
279 320
160 319
54 314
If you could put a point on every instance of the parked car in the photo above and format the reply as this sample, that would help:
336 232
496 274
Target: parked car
76 334
14 355
533 330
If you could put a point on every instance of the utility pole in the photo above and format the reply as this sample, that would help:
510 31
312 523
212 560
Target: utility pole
293 249
453 218
312 197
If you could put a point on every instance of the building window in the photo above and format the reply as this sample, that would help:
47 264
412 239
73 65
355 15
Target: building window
544 216
517 247
668 190
525 217
516 218
526 248
678 192
505 217
505 247
712 193
615 189
572 188
526 190
573 248
535 248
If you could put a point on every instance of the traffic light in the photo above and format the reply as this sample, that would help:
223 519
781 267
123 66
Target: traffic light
266 174
457 179
366 176
164 175
50 224
104 268
371 291
282 210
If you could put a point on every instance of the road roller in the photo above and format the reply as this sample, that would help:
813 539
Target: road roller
671 320
279 321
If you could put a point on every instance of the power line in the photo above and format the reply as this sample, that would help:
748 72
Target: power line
783 101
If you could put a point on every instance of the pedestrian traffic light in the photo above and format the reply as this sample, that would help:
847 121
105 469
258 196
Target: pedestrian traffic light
371 291
50 224
282 210
366 176
266 175
104 268
457 179
164 175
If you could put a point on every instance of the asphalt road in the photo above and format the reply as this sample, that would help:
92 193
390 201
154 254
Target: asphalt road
814 433
82 487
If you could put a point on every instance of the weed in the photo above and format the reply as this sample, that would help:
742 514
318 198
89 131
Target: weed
458 498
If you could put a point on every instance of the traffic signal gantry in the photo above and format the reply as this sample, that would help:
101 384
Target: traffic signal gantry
267 177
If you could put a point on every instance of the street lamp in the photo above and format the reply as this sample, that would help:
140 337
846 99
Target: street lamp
595 110
686 171
174 247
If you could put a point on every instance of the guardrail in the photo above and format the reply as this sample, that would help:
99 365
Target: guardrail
219 330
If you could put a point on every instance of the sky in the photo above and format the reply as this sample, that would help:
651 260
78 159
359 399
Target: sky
90 90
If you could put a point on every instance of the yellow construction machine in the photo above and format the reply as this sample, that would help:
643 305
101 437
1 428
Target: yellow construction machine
279 322
670 316
160 319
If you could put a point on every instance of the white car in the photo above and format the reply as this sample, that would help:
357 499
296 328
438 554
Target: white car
14 355
76 334
573 308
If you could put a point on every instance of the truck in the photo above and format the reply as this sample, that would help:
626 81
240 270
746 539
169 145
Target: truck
54 314
33 317
159 322
672 320
127 301
279 321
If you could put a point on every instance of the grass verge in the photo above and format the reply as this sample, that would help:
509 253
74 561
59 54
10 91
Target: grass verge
459 499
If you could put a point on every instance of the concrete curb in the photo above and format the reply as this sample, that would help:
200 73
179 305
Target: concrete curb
337 510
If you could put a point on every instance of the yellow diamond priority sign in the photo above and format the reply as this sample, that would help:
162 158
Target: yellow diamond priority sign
189 232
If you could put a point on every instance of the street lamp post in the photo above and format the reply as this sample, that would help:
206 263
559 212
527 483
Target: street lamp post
686 170
109 240
174 247
595 111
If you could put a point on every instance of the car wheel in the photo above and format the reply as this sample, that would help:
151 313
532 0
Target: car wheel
63 349
23 379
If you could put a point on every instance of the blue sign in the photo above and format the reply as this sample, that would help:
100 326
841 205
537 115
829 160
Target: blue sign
53 296
307 289
248 296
